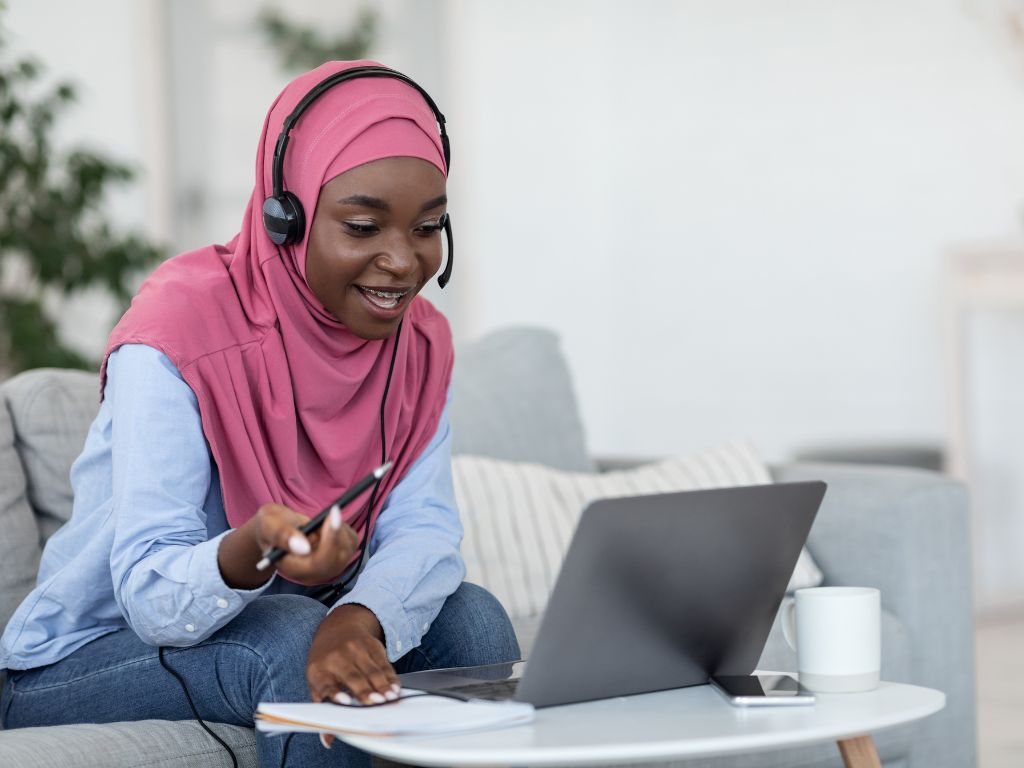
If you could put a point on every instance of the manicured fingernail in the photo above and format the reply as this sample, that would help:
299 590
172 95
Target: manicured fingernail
376 698
323 740
334 518
342 698
391 695
298 545
396 688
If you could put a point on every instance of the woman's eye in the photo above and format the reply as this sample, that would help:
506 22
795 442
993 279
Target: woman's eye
430 228
360 227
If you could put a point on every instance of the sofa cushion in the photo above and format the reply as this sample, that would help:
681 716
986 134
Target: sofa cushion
19 543
519 517
513 399
150 743
51 410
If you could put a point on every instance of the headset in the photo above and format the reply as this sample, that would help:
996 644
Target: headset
283 217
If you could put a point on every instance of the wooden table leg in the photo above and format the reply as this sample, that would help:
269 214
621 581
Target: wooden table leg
859 752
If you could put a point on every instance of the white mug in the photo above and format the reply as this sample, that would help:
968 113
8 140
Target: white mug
836 633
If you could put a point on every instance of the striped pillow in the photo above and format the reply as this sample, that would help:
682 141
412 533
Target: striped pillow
519 517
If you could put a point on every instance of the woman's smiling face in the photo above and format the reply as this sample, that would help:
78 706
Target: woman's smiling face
375 241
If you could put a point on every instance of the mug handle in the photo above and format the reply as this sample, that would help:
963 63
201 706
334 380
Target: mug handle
789 623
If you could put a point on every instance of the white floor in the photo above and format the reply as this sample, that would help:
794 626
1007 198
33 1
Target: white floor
1000 659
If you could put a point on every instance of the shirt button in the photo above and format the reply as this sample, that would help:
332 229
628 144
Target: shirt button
426 627
190 627
398 645
222 603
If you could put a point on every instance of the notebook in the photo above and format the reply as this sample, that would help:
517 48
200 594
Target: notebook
415 714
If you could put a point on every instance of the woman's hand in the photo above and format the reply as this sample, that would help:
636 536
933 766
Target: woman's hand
347 661
317 558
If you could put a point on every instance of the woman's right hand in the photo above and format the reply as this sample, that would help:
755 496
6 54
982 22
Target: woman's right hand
316 558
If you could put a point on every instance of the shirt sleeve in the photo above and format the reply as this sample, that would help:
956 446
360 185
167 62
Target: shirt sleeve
166 579
414 561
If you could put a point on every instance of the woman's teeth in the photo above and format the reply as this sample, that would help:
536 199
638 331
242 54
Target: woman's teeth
383 299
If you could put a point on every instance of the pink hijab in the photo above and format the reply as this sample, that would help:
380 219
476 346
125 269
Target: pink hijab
289 398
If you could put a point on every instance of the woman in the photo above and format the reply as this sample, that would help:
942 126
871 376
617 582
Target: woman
247 387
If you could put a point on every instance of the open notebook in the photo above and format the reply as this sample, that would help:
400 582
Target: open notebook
416 713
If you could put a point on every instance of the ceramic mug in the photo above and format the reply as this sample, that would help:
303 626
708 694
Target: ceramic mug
836 633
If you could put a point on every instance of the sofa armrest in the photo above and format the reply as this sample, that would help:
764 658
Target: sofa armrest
907 532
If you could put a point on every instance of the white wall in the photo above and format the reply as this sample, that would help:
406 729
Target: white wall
734 211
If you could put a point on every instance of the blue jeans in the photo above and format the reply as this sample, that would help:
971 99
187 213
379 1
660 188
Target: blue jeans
259 656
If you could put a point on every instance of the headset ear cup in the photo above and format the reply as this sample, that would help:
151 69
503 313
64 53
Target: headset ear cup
447 147
284 219
447 274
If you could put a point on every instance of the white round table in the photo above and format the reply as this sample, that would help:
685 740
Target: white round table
677 724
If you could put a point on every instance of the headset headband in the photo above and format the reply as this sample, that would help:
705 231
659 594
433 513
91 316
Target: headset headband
328 83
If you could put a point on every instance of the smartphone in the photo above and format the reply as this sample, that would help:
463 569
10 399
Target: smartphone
764 690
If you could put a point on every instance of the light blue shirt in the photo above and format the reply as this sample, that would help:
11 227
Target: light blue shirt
140 550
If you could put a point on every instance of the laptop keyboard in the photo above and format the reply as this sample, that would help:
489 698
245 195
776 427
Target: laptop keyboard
490 690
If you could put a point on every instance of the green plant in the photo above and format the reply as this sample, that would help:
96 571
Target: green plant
302 48
55 238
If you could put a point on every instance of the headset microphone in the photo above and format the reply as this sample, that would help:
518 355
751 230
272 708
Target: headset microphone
283 217
447 274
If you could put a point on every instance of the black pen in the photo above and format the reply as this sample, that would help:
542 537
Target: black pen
274 554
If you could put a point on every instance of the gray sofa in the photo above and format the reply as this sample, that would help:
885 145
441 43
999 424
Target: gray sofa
903 531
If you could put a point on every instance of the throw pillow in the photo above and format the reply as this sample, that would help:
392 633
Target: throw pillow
513 399
519 518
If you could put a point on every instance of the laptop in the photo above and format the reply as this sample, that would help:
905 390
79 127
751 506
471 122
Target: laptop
656 592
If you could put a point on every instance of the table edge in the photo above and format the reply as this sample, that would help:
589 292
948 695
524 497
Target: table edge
410 750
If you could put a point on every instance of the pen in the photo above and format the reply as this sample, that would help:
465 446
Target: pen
274 554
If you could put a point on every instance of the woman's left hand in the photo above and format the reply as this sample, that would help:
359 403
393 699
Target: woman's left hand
347 660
